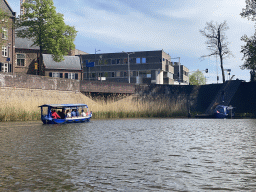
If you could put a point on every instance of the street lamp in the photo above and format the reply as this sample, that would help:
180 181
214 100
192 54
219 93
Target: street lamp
179 67
129 75
95 64
100 68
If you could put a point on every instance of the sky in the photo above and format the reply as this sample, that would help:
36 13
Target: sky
145 25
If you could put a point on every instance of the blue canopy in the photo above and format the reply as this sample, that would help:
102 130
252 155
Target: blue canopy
64 105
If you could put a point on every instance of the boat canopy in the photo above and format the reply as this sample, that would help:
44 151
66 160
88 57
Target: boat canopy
64 105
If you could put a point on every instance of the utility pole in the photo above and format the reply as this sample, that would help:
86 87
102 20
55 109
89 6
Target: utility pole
129 74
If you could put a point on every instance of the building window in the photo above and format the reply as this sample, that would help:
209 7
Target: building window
4 51
113 61
4 33
118 74
118 61
4 67
125 61
20 59
137 60
143 60
55 74
71 75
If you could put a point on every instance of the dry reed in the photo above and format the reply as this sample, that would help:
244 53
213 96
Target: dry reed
22 105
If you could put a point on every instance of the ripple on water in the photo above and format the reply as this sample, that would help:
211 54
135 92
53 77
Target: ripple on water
129 155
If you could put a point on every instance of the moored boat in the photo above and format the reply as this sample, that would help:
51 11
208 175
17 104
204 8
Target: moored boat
222 111
60 113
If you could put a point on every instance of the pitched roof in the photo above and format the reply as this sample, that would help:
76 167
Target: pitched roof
4 5
24 43
69 62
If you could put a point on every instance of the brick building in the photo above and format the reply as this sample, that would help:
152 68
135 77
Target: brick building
7 38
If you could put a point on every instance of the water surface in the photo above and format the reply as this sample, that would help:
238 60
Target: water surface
129 155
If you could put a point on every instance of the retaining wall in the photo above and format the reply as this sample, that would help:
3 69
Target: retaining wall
38 82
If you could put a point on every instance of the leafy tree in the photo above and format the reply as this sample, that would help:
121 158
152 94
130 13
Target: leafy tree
5 26
46 28
216 42
197 78
249 49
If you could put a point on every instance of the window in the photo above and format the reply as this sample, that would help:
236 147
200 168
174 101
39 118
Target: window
118 73
4 33
71 75
143 60
113 61
4 67
137 60
118 61
4 51
55 74
125 61
20 59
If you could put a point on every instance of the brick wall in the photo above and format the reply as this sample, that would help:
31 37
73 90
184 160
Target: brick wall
38 82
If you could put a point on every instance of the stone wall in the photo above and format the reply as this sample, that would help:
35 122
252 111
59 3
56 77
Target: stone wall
38 82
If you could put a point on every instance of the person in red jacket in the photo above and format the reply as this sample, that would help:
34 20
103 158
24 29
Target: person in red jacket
55 115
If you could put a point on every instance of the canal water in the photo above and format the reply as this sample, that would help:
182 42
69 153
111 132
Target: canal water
129 155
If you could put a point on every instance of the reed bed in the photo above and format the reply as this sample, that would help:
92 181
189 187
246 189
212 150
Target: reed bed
22 105
137 107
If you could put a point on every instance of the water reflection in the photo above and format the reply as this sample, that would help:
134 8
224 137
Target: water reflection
129 155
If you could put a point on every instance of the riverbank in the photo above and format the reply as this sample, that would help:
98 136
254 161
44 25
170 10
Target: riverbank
22 105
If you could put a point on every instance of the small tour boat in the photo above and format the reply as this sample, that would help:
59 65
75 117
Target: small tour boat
222 111
65 113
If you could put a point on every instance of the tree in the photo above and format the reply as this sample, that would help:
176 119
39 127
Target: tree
216 42
197 78
249 49
46 28
5 26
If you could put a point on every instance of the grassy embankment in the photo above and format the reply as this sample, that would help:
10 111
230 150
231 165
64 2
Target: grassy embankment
22 105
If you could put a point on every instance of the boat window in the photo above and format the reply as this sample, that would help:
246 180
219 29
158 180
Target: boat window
44 110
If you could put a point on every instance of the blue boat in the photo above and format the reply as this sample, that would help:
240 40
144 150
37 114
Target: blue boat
222 111
60 113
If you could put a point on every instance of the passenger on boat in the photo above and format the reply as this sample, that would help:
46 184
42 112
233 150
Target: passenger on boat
73 113
83 113
77 113
55 115
68 113
62 114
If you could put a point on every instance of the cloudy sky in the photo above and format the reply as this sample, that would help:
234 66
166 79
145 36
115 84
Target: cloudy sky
144 25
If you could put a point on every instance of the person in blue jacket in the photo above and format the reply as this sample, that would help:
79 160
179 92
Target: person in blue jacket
73 113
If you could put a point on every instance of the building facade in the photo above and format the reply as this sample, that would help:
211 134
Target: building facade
144 67
7 39
183 79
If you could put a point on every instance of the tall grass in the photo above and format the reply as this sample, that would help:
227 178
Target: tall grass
22 105
135 107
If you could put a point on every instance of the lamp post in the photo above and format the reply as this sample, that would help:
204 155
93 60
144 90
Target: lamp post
179 67
129 75
95 64
100 68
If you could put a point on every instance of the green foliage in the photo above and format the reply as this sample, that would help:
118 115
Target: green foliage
197 78
5 26
46 28
249 49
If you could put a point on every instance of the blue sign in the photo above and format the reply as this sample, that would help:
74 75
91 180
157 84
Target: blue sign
8 59
89 64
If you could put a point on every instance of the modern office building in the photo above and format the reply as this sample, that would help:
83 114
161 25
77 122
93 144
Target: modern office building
143 67
184 71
